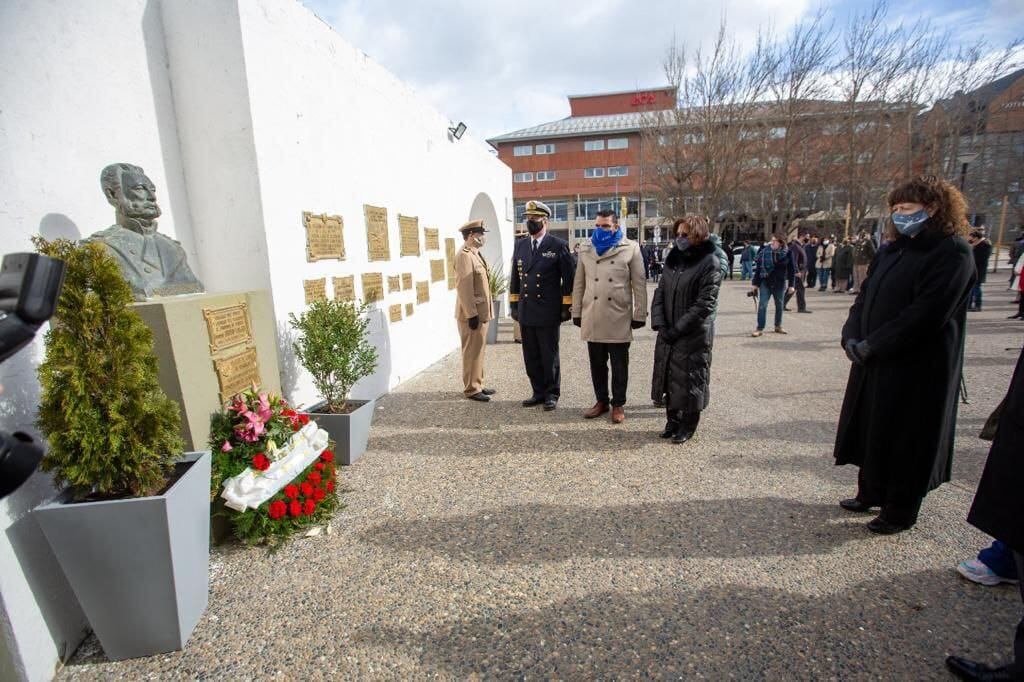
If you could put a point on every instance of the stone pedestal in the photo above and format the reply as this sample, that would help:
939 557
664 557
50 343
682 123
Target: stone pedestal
210 347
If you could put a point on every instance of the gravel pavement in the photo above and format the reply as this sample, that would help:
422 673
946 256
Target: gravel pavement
495 541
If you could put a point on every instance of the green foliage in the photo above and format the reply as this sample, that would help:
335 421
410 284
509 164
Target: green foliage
332 346
497 282
112 432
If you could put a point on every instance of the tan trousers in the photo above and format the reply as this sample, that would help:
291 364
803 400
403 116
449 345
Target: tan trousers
472 356
860 273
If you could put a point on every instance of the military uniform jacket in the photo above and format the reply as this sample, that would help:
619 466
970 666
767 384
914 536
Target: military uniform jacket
154 264
472 290
541 284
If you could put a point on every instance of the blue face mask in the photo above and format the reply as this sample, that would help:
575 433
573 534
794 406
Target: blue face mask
910 225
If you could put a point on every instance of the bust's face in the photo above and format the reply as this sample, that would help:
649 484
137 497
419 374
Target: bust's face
137 198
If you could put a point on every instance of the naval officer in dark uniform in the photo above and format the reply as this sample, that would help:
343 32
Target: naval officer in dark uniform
540 297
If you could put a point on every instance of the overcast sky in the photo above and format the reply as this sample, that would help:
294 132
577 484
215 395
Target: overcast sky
501 65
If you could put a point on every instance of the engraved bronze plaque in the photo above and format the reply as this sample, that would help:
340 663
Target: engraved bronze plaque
228 326
431 239
395 312
437 272
316 289
394 283
408 235
377 244
373 287
325 236
449 250
422 292
237 373
409 309
406 281
344 288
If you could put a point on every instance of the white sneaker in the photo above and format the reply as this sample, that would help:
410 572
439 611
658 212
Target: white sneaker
977 572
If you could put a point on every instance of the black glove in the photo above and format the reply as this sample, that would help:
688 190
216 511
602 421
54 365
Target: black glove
669 335
578 321
474 322
513 309
637 324
861 351
566 313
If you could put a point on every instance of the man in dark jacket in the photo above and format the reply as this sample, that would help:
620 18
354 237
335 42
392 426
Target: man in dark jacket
799 257
863 253
982 250
998 510
811 254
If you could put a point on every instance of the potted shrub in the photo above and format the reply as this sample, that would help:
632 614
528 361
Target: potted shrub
332 345
131 529
498 284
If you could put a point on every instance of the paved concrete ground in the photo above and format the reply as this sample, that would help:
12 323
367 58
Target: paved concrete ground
497 541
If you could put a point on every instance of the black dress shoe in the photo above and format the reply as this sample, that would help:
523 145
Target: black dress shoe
971 670
550 404
682 435
882 527
480 397
671 427
535 400
854 505
488 391
805 311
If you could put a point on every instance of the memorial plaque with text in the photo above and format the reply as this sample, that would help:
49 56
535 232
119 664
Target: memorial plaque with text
409 309
325 236
406 281
395 312
344 288
394 283
228 326
237 373
377 244
316 289
449 250
373 287
437 273
422 292
431 239
408 235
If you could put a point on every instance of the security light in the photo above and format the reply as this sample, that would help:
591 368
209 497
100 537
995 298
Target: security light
458 131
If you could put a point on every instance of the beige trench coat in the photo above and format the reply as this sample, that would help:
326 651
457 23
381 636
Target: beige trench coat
472 291
609 292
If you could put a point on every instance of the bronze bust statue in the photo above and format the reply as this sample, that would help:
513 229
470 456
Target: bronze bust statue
154 264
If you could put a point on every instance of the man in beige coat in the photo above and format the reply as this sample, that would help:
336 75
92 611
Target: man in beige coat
472 309
609 301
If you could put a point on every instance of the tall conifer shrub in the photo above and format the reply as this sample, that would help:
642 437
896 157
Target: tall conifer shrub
112 431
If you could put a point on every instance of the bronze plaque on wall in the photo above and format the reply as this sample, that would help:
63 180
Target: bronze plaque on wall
237 373
406 281
373 287
394 283
409 308
422 292
431 239
325 236
395 312
344 288
228 326
408 235
449 250
316 289
437 273
377 245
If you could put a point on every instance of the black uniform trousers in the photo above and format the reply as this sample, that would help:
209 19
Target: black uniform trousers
540 354
599 354
801 297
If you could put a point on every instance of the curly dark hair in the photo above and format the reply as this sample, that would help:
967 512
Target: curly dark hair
933 192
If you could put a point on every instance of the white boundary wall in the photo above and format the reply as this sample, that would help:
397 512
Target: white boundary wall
244 113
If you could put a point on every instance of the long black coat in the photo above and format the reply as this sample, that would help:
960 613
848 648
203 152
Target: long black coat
899 412
998 507
683 306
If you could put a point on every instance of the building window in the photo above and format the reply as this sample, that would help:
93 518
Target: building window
776 133
581 233
651 208
523 150
545 149
559 211
752 163
693 138
586 209
864 157
522 177
520 209
662 140
664 169
774 162
545 176
618 171
864 127
593 172
749 134
593 146
618 143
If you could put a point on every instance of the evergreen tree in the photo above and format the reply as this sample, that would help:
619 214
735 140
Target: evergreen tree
112 431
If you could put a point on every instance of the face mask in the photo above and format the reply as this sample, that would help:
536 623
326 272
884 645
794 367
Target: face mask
910 225
479 239
682 243
534 226
825 243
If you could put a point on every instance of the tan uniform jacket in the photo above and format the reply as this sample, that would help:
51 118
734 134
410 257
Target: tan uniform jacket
609 292
473 293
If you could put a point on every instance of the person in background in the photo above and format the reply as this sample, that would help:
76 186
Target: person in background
747 261
681 313
995 565
905 338
773 277
732 259
863 253
981 248
811 245
1019 281
799 256
1016 251
576 254
842 266
826 252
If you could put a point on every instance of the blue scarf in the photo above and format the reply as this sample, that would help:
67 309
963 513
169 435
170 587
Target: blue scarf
770 258
604 240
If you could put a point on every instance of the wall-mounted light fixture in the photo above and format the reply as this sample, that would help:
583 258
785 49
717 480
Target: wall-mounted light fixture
458 131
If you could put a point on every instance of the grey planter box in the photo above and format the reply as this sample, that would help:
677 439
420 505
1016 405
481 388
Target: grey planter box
492 326
350 432
139 566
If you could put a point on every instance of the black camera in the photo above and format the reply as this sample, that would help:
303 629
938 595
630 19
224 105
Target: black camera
29 288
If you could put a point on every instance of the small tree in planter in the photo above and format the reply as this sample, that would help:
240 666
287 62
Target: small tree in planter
498 284
114 440
333 347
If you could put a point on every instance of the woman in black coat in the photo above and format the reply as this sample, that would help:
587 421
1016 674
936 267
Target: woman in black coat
905 337
682 315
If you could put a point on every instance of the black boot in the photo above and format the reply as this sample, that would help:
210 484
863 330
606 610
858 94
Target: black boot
672 425
687 428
